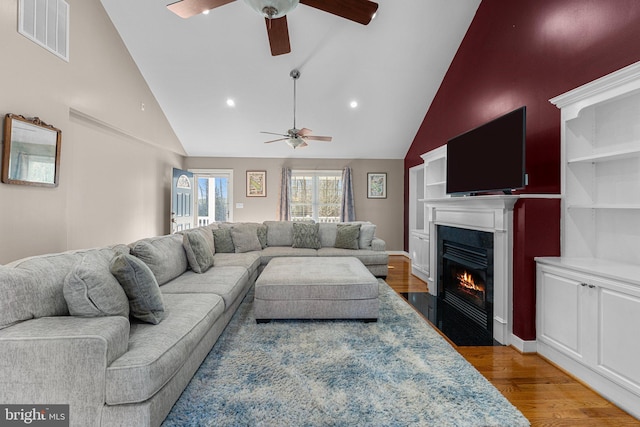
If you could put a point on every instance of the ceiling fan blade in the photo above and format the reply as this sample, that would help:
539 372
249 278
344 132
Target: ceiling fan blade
188 8
361 11
304 132
303 144
278 32
273 133
318 138
276 140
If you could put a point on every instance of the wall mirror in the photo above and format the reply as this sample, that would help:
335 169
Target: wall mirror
31 152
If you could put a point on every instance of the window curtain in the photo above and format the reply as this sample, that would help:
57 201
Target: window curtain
284 213
348 209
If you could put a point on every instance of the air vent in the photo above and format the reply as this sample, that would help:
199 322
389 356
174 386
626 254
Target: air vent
46 22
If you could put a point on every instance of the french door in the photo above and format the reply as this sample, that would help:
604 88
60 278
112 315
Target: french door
213 196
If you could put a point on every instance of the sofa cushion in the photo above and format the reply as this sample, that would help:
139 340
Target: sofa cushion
248 260
279 233
32 287
327 232
305 235
92 291
157 352
245 238
164 255
223 240
198 249
228 282
367 233
272 252
366 256
141 287
347 236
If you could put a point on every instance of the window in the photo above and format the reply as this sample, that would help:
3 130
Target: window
316 195
213 196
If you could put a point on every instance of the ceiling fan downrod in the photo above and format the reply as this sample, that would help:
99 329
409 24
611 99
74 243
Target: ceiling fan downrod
295 75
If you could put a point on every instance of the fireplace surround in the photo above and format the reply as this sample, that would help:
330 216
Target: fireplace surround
492 215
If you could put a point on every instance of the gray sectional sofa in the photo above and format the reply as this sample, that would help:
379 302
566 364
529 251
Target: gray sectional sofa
117 332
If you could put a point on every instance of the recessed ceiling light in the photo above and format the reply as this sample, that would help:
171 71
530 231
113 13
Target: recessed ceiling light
206 12
353 104
231 102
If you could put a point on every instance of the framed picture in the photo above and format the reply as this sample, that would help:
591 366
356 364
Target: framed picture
377 185
256 183
31 154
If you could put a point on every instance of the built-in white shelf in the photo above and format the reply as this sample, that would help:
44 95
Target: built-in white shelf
607 156
603 206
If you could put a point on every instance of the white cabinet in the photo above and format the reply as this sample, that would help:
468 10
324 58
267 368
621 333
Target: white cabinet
419 250
587 322
588 300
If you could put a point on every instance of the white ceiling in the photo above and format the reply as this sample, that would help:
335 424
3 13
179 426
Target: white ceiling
391 67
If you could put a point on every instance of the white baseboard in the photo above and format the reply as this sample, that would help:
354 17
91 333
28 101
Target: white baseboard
403 253
524 346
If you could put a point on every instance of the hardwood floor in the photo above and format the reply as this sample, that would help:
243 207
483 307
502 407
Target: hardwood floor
546 395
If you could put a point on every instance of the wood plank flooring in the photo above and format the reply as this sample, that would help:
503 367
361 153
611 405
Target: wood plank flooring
546 395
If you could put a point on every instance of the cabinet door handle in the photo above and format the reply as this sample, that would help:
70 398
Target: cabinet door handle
583 284
592 286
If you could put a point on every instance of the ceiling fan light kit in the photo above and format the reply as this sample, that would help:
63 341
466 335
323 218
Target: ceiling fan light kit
275 11
272 9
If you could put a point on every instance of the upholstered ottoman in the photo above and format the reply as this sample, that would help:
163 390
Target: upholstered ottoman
316 288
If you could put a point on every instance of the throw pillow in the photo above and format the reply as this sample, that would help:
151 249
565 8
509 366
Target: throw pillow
305 235
367 232
245 238
223 241
90 289
262 235
347 236
141 287
199 253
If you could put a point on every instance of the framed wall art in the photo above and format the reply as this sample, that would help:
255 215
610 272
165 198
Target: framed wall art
377 185
256 183
31 153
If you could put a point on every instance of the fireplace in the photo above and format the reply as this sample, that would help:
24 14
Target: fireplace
465 285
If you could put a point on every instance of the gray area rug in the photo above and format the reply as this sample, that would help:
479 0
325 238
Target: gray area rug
396 372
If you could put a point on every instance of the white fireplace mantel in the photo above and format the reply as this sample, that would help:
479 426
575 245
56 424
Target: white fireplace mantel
493 214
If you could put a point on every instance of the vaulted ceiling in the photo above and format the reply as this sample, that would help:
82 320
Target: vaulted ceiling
392 68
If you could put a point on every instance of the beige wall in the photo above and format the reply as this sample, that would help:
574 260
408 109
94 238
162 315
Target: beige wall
386 213
116 159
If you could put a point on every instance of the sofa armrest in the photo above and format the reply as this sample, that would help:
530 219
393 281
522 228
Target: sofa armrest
378 244
61 360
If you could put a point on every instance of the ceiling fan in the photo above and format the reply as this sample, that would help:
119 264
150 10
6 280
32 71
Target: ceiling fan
274 11
297 137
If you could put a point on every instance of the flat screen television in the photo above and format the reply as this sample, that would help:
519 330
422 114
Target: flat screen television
488 158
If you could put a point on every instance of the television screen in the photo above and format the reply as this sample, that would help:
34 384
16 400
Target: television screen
488 158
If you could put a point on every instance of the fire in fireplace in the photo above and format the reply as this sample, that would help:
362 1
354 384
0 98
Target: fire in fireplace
469 286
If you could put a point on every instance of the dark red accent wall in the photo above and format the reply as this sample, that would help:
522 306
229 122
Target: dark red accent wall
524 53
